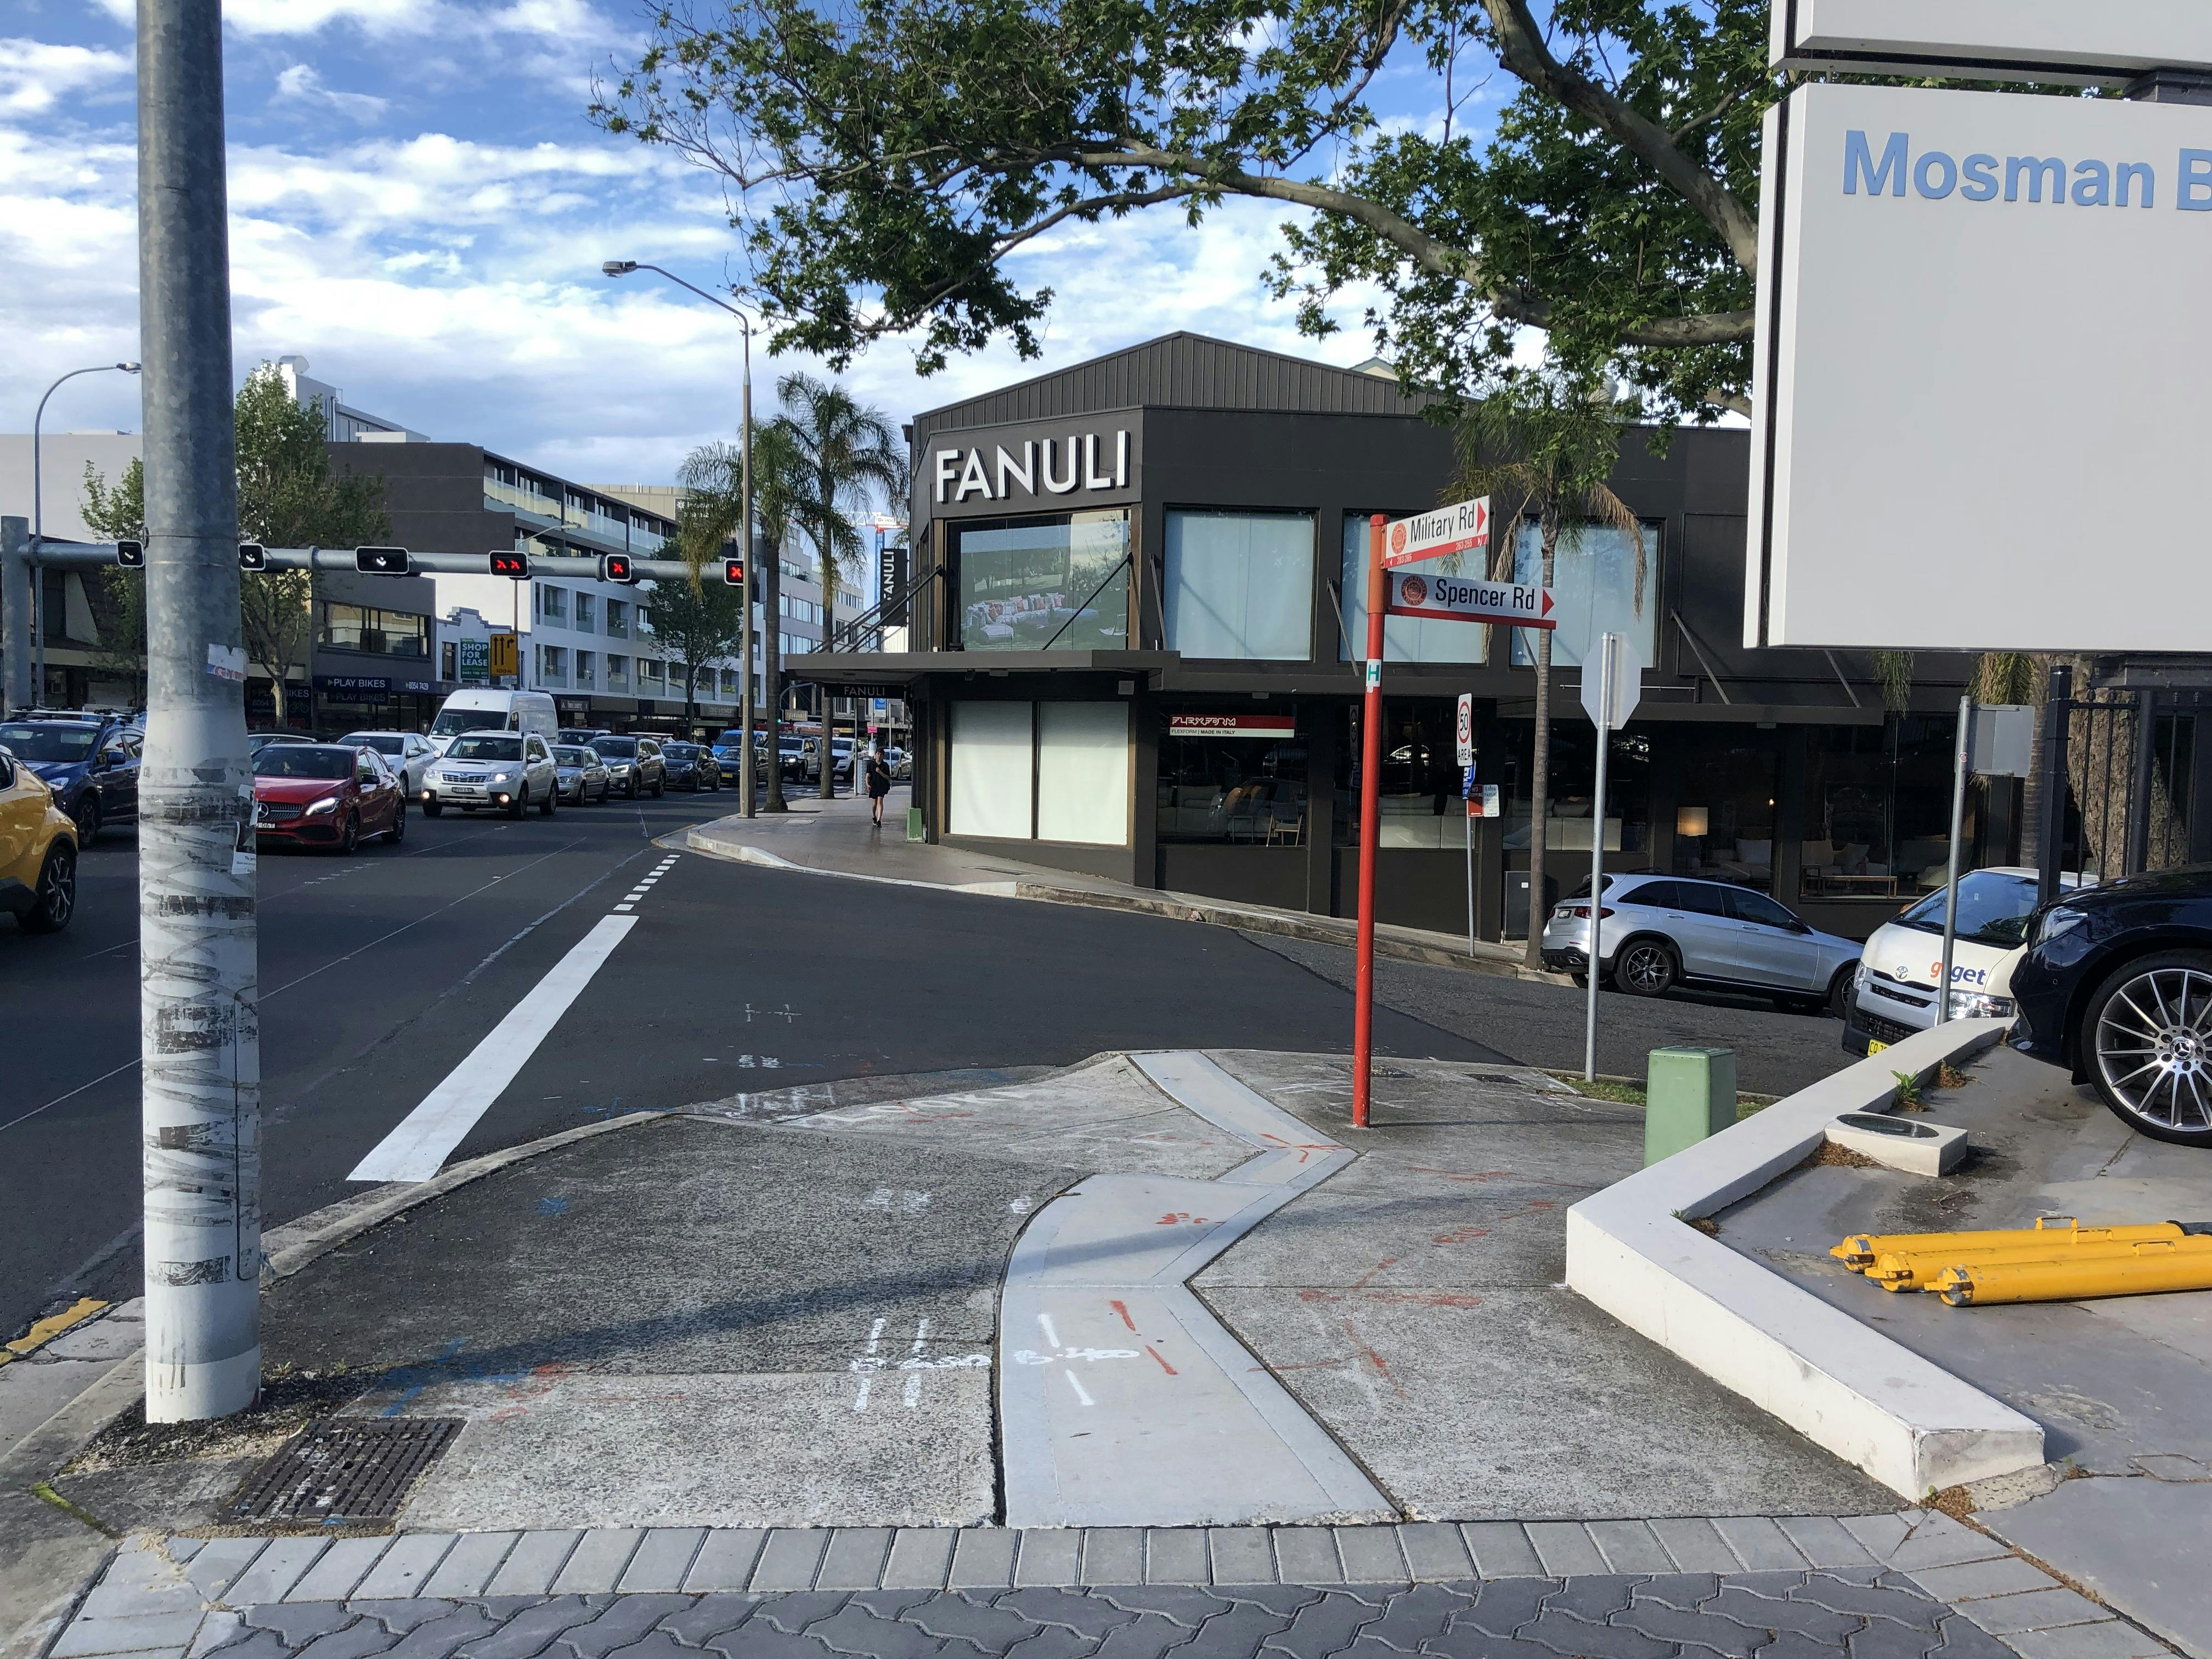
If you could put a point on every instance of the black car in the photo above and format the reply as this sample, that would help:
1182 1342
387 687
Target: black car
689 766
89 762
2116 986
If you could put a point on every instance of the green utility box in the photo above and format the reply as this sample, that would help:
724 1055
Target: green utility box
914 830
1689 1095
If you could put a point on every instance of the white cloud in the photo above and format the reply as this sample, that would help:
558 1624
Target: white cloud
35 76
301 84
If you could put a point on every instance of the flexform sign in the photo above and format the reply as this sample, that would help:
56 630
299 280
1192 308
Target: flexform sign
1463 527
1057 466
1444 597
1231 725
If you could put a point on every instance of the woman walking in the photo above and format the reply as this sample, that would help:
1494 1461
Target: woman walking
879 785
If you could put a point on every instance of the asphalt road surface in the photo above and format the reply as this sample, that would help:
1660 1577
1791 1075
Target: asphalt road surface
381 976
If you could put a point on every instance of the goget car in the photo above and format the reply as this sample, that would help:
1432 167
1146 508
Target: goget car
1655 932
89 762
2115 984
582 773
509 772
407 753
37 851
327 795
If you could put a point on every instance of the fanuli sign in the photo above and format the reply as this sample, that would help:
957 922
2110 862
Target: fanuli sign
1978 408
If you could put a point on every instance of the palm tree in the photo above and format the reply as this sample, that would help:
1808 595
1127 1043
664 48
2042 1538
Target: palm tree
851 450
1543 448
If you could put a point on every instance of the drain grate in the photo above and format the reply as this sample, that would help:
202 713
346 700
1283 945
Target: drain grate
342 1471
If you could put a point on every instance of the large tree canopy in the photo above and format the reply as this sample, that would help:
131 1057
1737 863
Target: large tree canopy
885 157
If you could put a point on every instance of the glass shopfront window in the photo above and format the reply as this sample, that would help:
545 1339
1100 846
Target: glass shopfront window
1878 809
1571 788
1405 639
1047 771
1418 793
1239 585
1060 583
1594 581
1724 827
387 633
1242 782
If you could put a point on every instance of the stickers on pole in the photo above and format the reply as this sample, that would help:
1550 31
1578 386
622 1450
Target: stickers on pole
226 662
1444 597
1463 527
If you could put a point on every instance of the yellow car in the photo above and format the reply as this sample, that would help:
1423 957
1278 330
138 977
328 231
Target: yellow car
37 852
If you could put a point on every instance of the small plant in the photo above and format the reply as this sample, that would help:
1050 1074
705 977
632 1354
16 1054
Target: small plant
1949 1076
1908 1092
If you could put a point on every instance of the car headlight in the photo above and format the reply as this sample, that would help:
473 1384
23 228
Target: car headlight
1859 979
503 777
1979 1005
2058 922
327 803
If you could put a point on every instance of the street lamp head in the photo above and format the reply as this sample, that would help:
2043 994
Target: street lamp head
619 267
128 368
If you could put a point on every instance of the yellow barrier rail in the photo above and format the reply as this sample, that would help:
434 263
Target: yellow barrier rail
1920 1270
1863 1251
2154 1266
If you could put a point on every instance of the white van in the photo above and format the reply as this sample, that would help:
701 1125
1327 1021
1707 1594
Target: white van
479 710
1893 994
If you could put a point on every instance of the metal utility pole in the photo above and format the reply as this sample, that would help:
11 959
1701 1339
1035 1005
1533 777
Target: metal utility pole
1962 750
15 596
199 1025
39 517
1370 835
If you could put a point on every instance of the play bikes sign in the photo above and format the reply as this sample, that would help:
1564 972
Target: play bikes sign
1444 597
1463 527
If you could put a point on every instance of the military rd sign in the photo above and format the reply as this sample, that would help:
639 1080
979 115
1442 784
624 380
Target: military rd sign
1459 599
1463 527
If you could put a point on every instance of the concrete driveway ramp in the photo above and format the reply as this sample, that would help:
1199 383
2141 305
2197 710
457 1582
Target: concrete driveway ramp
1123 1401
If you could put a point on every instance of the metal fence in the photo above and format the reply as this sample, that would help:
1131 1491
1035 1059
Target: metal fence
2128 759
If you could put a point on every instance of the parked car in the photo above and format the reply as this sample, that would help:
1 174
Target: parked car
727 755
841 754
408 753
257 741
573 734
634 765
791 756
901 764
1894 990
38 850
511 771
690 766
1657 932
582 773
2115 985
90 762
325 794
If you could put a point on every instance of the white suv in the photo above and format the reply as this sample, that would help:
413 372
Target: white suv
504 770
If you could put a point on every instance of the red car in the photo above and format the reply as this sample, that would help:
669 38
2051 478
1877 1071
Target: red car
325 794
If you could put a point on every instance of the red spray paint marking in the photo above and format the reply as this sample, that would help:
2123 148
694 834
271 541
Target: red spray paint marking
1165 1366
1119 1308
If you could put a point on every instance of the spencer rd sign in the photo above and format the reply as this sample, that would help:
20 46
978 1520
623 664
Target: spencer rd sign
1456 598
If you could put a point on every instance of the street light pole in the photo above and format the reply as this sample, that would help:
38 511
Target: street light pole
39 525
745 802
200 1023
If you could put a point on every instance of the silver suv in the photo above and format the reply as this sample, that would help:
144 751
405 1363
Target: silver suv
1657 932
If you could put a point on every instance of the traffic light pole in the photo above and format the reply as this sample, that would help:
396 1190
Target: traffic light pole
199 1024
1370 833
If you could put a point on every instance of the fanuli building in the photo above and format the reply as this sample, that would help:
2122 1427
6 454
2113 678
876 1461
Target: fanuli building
1139 597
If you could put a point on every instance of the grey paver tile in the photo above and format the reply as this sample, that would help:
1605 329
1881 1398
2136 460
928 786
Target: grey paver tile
2114 1638
1324 1626
854 1629
1969 1581
1435 1552
531 1629
657 1645
338 1569
1879 1534
789 1558
1241 1555
1565 1547
663 1557
1187 1604
1501 1550
1566 1635
1961 1640
533 1564
1937 1540
1892 1603
1049 1555
1824 1541
219 1629
2042 1609
725 1559
1630 1547
1307 1555
854 1559
1175 1555
400 1574
298 1623
1760 1544
1111 1555
1594 1597
623 1620
973 1619
440 1638
275 1571
1414 1615
221 1562
131 1633
1149 1636
595 1566
711 1616
1371 1556
1505 1605
1087 1615
468 1567
1699 1633
404 1614
983 1559
1695 1547
142 1590
356 1641
920 1557
1778 1614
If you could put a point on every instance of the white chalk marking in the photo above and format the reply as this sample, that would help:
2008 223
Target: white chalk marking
1081 1392
1051 1336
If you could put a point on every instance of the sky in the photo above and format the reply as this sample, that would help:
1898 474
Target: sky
420 207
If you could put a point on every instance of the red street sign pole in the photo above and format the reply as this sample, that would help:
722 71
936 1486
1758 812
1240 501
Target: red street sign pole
1370 831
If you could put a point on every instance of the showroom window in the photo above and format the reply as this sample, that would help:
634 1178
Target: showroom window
1593 583
1052 771
1060 583
1239 779
1239 585
1878 809
1724 826
1405 639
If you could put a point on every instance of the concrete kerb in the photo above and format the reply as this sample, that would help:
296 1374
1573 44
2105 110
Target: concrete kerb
1909 1424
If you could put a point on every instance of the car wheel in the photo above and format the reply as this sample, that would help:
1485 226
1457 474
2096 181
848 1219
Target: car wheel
1582 981
547 807
397 833
1646 967
431 809
2146 1041
520 804
349 837
55 900
1838 1005
87 819
659 788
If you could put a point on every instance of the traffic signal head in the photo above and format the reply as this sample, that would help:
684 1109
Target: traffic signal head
381 561
734 572
616 567
130 554
513 565
251 557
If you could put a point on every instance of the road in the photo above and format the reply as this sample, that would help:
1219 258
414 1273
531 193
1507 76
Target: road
381 975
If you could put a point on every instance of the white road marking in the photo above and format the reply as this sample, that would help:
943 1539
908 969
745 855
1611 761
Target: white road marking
1081 1392
419 1148
869 1365
913 1376
1051 1336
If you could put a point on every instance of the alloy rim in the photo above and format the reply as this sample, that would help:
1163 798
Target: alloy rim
2154 1047
57 888
1647 967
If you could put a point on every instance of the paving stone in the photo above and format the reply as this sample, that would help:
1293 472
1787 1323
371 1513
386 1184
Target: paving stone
442 1638
1593 1597
1414 1616
131 1633
1371 1556
663 1558
1794 1644
1283 1600
1307 1555
659 1644
595 1566
1321 1628
1565 1547
1881 1639
1824 1541
403 1614
338 1569
1237 1631
1686 1590
969 1619
752 1641
2043 1609
1879 1534
405 1568
296 1624
135 1585
2115 1638
1700 1631
1501 1550
853 1629
790 1558
1187 1604
1774 1613
1091 1616
534 1562
533 1630
725 1559
624 1619
854 1558
1937 1540
1175 1555
1760 1544
220 1563
1241 1555
356 1641
1962 1640
1148 1636
217 1630
1054 1642
1695 1546
254 1645
792 1613
1630 1547
2007 1575
1435 1552
1049 1555
469 1566
1894 1603
920 1557
709 1616
1505 1605
1564 1634
1111 1555
275 1571
983 1559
